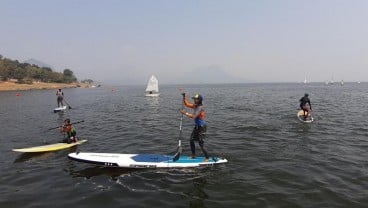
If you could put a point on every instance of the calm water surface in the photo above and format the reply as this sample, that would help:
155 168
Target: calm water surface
274 160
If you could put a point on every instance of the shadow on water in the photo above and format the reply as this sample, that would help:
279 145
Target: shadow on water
28 156
179 175
90 172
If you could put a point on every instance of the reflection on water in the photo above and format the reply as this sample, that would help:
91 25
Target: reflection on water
153 102
30 156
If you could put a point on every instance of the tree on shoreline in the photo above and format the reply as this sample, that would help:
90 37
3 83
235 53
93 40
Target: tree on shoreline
26 73
69 76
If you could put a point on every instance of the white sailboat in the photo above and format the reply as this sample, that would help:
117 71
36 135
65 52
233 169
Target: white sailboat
152 87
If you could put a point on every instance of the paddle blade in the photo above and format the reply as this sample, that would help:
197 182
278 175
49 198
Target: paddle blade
177 155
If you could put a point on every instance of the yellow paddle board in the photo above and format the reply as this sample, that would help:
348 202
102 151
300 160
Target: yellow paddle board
50 147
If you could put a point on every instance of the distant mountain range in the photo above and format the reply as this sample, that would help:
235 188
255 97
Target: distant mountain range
38 63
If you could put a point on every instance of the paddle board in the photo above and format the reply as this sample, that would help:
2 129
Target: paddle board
300 116
58 109
50 147
142 160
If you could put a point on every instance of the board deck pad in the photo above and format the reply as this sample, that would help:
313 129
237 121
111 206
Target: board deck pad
143 160
50 147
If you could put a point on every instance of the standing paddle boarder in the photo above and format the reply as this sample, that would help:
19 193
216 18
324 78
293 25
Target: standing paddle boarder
199 130
60 97
305 105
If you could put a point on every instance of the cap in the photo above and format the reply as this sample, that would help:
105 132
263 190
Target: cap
198 96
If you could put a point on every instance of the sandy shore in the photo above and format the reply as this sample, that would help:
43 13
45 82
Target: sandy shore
11 86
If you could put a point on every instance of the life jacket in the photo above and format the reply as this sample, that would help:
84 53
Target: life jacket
70 130
198 110
199 120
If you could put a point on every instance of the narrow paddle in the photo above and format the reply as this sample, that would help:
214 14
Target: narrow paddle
179 149
62 126
70 107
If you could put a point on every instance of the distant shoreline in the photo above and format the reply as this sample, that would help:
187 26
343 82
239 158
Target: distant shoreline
12 86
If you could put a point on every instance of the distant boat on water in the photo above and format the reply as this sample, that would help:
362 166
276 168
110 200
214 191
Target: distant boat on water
152 87
332 82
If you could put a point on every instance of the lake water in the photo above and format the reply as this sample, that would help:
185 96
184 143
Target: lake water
274 159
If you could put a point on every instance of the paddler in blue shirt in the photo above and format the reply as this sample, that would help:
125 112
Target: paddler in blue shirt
199 131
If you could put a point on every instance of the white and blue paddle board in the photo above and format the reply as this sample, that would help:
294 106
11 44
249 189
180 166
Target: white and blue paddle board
300 116
59 109
143 160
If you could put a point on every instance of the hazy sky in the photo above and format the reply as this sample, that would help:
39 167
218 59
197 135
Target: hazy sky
125 42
